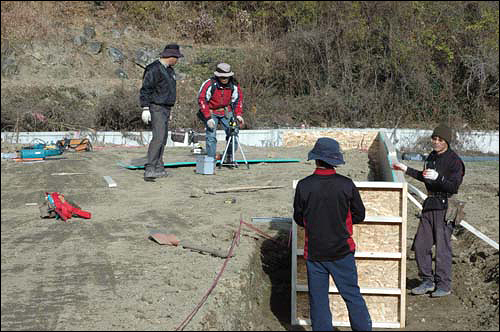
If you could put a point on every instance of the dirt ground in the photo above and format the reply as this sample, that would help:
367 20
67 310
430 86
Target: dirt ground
105 274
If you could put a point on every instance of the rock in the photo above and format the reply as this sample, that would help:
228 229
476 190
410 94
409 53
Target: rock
89 31
37 56
9 66
79 40
180 76
121 73
129 31
115 33
196 193
95 47
144 57
115 54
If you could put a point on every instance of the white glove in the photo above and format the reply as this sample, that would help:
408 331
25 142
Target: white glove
240 119
400 167
146 115
430 174
211 124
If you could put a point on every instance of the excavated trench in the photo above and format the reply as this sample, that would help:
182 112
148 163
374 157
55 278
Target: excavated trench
264 298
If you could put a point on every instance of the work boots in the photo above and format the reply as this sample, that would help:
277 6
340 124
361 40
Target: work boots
149 175
424 287
160 173
440 293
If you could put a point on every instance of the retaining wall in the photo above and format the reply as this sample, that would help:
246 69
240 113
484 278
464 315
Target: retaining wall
401 139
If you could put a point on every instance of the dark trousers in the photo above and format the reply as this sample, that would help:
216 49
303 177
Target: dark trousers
160 116
433 230
345 276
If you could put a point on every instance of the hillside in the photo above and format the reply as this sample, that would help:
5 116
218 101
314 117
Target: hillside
70 65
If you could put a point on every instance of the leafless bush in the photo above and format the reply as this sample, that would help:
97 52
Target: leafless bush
200 29
119 111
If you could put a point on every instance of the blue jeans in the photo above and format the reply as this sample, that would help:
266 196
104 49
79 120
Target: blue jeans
345 276
211 136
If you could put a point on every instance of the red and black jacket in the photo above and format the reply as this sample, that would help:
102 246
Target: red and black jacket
213 97
327 204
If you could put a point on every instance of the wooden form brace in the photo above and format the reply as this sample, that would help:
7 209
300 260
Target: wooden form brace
380 260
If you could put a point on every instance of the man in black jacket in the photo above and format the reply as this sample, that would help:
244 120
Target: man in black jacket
443 173
157 96
327 204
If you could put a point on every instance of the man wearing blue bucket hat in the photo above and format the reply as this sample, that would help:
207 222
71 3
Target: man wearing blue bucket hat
327 204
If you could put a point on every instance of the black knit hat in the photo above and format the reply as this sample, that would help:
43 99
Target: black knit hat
444 132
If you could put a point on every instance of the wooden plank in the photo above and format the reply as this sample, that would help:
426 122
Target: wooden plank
294 273
393 325
387 235
364 290
382 308
372 273
378 185
383 219
365 254
477 233
239 189
402 285
271 219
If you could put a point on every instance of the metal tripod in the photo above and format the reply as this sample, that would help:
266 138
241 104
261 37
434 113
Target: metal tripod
230 144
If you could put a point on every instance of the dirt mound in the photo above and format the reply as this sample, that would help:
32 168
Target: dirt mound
476 277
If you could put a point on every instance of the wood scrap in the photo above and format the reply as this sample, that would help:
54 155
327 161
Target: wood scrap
204 250
239 189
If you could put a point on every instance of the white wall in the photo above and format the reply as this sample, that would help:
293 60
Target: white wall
402 139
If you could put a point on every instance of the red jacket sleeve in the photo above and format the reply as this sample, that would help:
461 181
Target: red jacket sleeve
204 98
237 101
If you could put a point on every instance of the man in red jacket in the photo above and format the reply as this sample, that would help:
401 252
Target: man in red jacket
327 204
220 99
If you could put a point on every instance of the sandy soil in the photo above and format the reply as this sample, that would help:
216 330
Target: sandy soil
105 274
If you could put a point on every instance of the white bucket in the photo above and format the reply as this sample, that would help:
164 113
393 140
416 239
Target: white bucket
205 164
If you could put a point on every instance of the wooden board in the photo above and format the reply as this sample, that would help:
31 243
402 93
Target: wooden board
380 260
382 308
348 139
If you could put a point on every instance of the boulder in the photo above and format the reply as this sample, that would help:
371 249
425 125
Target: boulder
116 55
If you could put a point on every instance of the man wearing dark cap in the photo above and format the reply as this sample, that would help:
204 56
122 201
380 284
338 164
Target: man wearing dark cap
442 175
157 96
327 204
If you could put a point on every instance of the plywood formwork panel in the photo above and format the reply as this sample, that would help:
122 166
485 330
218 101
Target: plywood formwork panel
382 308
381 202
372 273
380 259
387 235
348 139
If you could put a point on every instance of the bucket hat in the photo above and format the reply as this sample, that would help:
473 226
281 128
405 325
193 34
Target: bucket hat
444 132
328 150
223 70
171 50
